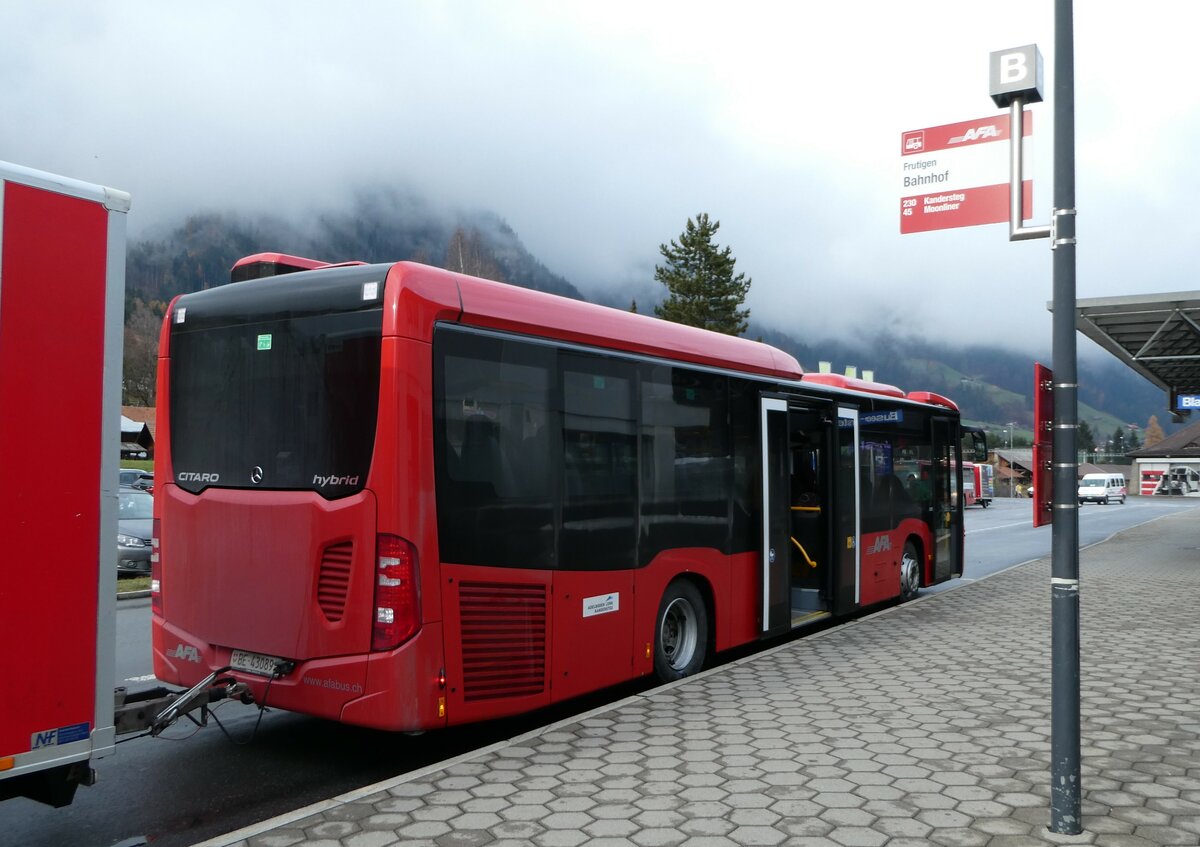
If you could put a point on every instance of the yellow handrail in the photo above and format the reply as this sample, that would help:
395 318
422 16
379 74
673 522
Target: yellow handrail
807 559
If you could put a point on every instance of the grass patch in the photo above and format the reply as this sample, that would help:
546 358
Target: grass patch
133 583
140 464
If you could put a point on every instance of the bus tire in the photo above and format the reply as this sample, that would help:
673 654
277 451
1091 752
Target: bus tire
680 632
910 572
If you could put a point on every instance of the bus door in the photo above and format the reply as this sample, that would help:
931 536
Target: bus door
946 515
796 514
848 494
775 605
810 507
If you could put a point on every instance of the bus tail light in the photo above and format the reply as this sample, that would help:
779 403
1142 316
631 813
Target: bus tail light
155 570
397 594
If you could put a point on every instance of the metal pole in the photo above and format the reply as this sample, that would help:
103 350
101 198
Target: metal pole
1012 480
1017 231
1065 804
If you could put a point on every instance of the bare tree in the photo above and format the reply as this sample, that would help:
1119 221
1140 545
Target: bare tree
467 254
141 353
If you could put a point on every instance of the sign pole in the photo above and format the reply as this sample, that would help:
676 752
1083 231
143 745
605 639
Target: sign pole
1065 788
1015 80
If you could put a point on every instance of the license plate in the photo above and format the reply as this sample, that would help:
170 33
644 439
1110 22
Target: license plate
255 663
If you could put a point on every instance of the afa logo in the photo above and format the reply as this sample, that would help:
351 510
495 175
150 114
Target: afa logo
186 652
976 134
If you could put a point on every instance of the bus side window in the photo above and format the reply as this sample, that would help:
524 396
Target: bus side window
492 449
599 442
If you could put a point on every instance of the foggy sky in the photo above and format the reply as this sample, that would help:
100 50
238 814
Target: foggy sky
595 130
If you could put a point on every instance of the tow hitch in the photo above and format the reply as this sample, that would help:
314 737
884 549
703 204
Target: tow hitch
157 708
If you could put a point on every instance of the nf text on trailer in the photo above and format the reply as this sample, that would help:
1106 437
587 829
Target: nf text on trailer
62 287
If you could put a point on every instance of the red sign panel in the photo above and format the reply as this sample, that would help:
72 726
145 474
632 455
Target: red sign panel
1043 445
956 175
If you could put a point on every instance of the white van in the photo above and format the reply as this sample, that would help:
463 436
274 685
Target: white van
1101 488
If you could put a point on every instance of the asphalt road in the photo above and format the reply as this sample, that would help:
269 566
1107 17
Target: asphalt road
1003 535
193 784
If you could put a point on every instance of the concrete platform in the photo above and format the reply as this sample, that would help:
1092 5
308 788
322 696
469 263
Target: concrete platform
924 724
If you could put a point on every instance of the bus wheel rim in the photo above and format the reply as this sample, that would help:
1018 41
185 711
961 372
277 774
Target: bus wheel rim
908 575
678 633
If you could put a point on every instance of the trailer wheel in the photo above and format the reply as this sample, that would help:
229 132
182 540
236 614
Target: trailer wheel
910 573
681 632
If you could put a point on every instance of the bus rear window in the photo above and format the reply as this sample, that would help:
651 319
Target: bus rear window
285 402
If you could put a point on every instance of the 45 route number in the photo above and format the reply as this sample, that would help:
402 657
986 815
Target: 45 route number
908 204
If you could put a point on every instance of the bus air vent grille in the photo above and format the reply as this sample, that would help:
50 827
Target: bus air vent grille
503 639
334 580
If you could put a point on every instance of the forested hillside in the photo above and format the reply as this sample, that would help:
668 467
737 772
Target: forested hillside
991 384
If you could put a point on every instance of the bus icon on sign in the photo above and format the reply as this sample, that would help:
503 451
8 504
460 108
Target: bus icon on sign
913 142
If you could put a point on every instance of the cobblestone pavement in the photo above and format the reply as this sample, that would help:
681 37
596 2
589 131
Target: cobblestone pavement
924 724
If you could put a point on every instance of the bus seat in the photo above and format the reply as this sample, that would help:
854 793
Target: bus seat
481 458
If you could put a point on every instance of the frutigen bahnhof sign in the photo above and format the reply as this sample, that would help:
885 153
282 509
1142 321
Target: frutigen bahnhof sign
957 174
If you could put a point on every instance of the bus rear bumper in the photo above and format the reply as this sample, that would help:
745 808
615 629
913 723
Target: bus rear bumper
398 690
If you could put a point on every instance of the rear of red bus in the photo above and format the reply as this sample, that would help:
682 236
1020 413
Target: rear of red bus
293 452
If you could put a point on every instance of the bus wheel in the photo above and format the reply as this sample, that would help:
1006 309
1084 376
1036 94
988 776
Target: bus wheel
681 632
910 573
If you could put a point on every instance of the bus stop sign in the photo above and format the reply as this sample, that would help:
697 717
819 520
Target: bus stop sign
1014 73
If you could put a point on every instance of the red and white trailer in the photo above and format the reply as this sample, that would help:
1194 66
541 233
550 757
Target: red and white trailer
62 283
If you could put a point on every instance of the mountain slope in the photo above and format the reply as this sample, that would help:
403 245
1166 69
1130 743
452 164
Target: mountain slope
381 226
990 383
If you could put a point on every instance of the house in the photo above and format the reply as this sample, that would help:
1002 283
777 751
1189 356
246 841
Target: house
1014 471
137 432
1172 466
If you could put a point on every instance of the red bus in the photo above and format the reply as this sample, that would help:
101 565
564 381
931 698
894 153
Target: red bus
399 497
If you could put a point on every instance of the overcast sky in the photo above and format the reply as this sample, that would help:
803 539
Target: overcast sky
597 129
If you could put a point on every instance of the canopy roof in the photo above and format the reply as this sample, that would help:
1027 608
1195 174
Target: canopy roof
1158 335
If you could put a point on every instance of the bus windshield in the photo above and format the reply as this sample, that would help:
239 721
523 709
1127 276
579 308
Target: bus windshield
274 401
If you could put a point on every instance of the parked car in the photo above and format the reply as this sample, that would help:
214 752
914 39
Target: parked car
135 518
137 478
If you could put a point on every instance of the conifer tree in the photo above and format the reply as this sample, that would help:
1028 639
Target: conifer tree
1086 439
702 288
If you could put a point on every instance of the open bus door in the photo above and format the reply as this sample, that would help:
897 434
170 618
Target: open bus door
848 521
774 614
946 516
810 520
